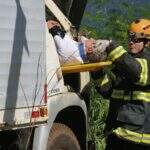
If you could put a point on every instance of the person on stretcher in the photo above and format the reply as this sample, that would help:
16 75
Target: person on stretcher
76 52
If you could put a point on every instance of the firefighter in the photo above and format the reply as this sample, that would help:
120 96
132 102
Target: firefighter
127 87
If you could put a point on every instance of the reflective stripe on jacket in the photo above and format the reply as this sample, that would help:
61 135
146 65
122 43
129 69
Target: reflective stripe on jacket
135 69
134 95
132 136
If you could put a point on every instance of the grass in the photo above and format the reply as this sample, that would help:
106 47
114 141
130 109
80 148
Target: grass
97 116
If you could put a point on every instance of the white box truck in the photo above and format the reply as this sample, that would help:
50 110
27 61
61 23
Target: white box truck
37 109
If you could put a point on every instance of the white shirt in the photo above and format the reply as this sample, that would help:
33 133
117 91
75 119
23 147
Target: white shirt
68 50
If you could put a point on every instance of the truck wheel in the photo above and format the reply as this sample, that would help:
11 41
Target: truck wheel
61 137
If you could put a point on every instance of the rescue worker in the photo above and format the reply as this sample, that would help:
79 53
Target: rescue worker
128 89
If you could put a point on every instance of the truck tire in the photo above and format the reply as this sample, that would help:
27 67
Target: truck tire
61 137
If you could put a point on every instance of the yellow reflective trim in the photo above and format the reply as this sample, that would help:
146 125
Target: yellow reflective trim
143 96
132 136
127 97
144 71
104 80
136 95
117 94
116 53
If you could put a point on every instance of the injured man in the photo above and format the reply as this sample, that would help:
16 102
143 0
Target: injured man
73 52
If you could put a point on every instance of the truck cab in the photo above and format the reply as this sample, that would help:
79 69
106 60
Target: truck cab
66 107
41 107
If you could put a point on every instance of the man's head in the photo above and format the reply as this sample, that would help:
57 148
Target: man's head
52 23
139 35
96 49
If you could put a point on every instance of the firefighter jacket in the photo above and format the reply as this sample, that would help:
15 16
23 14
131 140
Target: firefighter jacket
128 90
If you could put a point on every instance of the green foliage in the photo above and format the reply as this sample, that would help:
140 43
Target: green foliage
98 113
108 19
112 22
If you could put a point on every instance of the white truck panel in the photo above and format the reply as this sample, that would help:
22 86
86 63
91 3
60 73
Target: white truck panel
22 57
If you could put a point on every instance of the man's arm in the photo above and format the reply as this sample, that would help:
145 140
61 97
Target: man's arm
103 83
135 70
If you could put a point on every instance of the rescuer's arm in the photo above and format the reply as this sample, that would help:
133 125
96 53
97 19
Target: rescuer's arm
135 70
103 82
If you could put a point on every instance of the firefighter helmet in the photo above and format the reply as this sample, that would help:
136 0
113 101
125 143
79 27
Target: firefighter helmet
140 28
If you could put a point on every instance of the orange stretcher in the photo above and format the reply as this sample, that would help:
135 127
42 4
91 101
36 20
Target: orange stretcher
84 67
